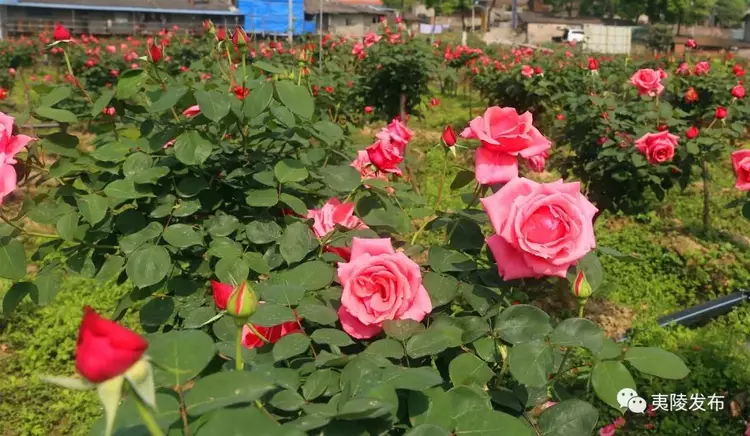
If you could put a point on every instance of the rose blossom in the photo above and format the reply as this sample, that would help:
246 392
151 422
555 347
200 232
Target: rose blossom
334 213
683 69
527 71
648 82
608 430
702 68
540 229
221 293
271 334
192 111
721 113
388 151
657 147
536 163
738 91
692 132
105 349
504 135
379 284
741 164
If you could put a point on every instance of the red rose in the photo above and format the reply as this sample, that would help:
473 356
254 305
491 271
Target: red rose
690 43
105 349
221 34
539 70
692 132
434 102
329 89
240 92
738 91
270 334
593 64
691 95
662 127
154 52
721 113
60 33
239 37
368 109
560 117
449 136
738 70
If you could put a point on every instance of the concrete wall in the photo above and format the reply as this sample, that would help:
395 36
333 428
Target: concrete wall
355 25
542 33
607 39
503 35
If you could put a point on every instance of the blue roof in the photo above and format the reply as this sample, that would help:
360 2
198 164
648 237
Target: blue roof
119 8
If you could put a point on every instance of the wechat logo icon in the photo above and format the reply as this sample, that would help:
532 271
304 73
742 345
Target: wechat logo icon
628 398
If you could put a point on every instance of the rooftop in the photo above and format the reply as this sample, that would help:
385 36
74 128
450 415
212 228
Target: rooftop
343 7
175 6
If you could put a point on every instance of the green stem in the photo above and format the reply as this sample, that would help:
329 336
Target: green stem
26 232
581 305
239 358
148 418
439 198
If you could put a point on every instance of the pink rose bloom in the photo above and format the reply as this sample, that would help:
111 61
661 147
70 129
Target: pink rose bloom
702 68
741 164
371 38
8 180
504 135
657 147
379 284
648 82
607 430
683 69
536 163
169 143
358 49
10 144
192 111
111 49
389 150
540 229
331 214
399 132
527 71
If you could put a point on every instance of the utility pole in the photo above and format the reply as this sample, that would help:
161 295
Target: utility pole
473 7
320 34
515 14
291 22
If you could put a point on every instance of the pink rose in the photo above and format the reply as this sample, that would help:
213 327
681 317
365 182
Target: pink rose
387 152
368 171
607 430
683 69
169 143
192 111
8 180
648 82
741 164
657 147
527 71
702 68
10 144
540 229
536 163
331 214
504 135
379 284
371 38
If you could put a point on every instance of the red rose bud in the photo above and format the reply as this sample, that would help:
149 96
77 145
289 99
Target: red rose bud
581 287
221 34
560 117
368 109
434 102
449 136
61 33
692 132
221 292
239 37
106 349
242 302
690 43
155 52
738 70
721 113
738 91
593 64
662 127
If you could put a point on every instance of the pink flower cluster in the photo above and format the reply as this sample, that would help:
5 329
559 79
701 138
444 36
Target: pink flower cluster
10 145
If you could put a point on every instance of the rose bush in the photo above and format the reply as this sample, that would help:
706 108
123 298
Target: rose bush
280 280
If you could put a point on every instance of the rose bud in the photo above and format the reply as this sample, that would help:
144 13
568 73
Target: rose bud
368 109
449 136
154 52
692 132
690 43
221 292
581 287
721 113
593 64
239 37
221 34
61 33
242 302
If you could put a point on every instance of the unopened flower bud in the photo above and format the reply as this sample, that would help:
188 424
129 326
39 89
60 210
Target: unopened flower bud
581 287
243 301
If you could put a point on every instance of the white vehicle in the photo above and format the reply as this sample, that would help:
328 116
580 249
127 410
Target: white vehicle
571 35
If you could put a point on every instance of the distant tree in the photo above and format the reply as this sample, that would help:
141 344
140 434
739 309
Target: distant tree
562 5
688 11
448 7
730 13
402 5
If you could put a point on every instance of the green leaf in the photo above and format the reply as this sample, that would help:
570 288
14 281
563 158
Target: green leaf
59 115
102 102
341 178
270 314
128 420
289 346
658 362
329 132
389 348
462 179
136 163
214 104
63 144
363 408
224 389
221 224
608 378
130 83
467 370
296 242
263 232
15 295
191 148
55 96
232 270
223 247
296 98
577 332
156 312
310 275
402 329
67 226
258 100
110 269
287 400
412 379
592 268
286 295
148 265
290 170
569 418
126 190
522 323
179 356
317 313
284 116
198 317
427 430
317 383
168 99
191 186
182 236
432 406
442 288
531 362
262 197
488 422
610 350
111 152
265 66
445 260
431 341
331 337
12 259
257 263
294 203
130 243
93 208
